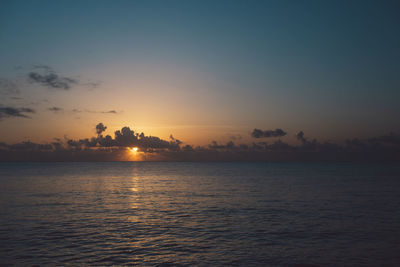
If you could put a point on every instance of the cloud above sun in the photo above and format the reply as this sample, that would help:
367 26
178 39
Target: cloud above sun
120 145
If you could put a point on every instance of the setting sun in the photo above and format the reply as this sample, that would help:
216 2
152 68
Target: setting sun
251 133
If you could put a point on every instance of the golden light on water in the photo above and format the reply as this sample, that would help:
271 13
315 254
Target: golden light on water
134 149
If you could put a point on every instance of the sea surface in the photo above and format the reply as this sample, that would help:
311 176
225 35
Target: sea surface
199 214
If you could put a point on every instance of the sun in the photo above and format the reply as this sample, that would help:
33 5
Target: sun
134 153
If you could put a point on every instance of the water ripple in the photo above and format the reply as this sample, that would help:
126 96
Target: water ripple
202 214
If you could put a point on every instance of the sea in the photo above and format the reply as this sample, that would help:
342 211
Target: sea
199 214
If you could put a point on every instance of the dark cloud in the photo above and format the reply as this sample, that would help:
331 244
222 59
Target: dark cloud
46 76
300 136
175 140
29 146
391 139
52 80
279 146
215 145
380 148
257 133
310 145
6 112
55 109
100 128
125 138
109 111
187 148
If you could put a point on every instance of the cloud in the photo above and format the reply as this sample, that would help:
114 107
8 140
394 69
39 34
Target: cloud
100 128
46 76
257 133
29 146
187 148
215 145
311 145
109 111
6 112
117 147
8 87
175 140
55 109
52 80
75 110
92 84
390 139
300 136
125 138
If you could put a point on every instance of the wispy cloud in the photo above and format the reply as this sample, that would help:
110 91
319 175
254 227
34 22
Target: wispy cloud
109 111
52 80
6 112
55 109
16 98
48 77
112 111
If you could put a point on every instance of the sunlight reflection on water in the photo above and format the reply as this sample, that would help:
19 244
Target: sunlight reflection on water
199 214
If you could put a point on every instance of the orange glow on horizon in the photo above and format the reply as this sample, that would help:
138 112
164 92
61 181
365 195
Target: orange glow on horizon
134 154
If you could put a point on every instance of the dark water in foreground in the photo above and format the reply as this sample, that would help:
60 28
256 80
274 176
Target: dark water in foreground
207 214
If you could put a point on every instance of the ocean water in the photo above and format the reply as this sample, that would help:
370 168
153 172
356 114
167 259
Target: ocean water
199 214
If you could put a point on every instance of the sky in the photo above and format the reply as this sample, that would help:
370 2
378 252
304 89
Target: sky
201 71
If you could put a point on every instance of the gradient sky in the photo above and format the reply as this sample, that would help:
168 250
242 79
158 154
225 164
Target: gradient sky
202 70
